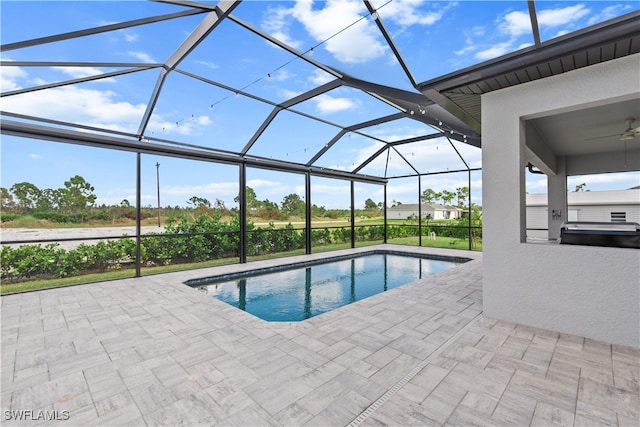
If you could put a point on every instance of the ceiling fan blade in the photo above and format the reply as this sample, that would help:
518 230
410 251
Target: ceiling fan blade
603 137
629 133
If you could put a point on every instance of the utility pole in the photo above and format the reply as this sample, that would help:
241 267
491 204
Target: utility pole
158 182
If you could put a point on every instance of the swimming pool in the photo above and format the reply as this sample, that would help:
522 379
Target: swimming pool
296 292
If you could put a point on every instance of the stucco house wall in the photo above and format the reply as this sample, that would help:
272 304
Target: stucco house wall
598 205
584 206
433 211
584 290
404 211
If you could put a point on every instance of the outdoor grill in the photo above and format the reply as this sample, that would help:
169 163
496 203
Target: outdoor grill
613 234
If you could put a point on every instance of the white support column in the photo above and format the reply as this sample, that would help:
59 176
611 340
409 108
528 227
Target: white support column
557 199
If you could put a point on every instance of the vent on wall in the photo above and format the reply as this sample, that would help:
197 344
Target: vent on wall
618 216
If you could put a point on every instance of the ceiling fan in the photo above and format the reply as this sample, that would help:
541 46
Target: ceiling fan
628 134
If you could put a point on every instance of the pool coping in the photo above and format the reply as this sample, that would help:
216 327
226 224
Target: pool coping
186 275
288 266
318 261
258 323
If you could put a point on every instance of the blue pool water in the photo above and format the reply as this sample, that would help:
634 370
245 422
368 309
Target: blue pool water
299 293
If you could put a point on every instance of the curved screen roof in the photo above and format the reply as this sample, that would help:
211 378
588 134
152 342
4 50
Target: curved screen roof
344 86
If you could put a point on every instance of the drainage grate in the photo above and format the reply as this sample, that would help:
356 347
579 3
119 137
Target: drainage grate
415 371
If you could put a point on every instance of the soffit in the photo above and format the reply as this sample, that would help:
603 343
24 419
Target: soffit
460 92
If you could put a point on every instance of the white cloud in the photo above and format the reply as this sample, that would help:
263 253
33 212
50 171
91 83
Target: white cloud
9 77
37 81
470 36
331 196
118 190
267 189
90 107
522 46
408 12
159 125
209 64
515 23
81 72
204 120
35 156
116 195
371 191
351 151
536 184
359 43
470 47
284 93
379 164
131 37
363 153
339 26
141 56
281 75
320 77
609 12
276 23
397 133
495 50
116 200
402 191
76 105
324 189
562 16
262 183
472 155
477 31
219 189
327 104
606 181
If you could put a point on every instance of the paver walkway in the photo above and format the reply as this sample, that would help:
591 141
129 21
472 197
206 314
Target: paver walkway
152 351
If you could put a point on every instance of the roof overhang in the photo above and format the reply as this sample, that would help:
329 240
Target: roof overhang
460 92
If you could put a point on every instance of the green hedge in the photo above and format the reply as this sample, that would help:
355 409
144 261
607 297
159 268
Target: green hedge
184 241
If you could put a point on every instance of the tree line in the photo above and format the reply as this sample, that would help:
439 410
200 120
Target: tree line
71 201
75 202
460 195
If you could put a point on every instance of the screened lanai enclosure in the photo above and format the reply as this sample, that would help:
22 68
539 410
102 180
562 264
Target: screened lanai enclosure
237 129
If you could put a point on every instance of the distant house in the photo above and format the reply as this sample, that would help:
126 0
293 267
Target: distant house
591 206
429 211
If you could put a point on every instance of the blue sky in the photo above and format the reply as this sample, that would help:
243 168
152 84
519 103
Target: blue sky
434 37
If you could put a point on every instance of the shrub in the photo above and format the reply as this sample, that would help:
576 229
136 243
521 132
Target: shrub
30 260
340 234
6 217
321 237
54 216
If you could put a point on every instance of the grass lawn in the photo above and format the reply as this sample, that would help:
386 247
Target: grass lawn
125 273
439 242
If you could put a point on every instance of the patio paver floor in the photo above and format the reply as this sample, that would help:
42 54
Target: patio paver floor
152 351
